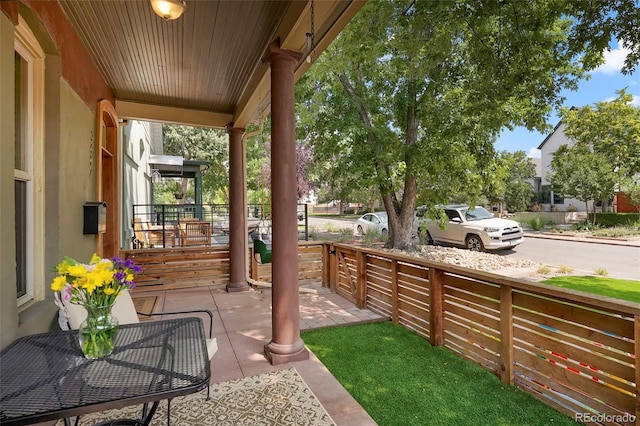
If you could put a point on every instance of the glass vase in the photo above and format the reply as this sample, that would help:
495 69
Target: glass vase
97 333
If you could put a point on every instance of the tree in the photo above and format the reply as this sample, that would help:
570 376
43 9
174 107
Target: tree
506 180
607 139
200 143
411 95
582 174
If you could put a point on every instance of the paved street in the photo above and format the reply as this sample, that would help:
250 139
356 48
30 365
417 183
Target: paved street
620 261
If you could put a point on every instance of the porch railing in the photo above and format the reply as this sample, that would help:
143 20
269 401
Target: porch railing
181 225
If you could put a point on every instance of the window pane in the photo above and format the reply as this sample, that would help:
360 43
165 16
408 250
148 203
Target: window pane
21 104
21 237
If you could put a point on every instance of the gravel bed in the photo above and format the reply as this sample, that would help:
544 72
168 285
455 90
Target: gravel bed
468 259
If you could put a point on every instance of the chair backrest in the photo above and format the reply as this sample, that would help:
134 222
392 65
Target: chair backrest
72 315
139 230
259 247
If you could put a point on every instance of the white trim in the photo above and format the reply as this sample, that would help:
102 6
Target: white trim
29 49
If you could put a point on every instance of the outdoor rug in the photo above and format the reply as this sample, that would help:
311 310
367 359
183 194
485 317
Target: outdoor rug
272 399
145 304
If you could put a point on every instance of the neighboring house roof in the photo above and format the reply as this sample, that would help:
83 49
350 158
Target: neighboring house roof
555 129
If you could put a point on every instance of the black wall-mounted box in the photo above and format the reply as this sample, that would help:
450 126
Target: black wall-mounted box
95 217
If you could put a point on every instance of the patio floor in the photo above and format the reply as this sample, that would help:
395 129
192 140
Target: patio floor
242 326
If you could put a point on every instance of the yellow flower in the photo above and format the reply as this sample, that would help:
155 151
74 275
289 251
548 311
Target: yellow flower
95 259
58 283
109 291
77 270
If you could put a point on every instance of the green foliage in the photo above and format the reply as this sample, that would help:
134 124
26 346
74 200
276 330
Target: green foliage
200 143
411 114
537 223
506 180
399 379
609 220
584 225
605 151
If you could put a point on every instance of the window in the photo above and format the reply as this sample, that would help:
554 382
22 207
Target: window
28 101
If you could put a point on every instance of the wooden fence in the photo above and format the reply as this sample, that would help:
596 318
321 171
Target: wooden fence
180 267
574 351
312 256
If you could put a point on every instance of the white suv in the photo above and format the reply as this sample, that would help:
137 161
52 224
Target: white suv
475 229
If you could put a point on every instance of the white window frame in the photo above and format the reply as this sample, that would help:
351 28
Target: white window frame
28 47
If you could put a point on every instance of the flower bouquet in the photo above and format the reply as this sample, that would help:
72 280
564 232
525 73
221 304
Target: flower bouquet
95 287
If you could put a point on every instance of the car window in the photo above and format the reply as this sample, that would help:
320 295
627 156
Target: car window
478 213
452 214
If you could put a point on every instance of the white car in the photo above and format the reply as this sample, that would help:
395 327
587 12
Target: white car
475 229
376 220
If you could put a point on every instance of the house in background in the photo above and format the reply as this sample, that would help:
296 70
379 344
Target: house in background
141 140
549 145
557 138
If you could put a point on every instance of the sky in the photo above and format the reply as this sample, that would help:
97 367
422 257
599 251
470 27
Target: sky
604 82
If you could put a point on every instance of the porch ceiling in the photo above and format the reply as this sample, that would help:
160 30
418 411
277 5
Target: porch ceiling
204 68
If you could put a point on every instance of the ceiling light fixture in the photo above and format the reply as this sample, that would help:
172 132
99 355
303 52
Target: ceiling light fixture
169 9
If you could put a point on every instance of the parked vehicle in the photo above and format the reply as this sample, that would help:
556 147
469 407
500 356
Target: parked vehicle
376 220
476 229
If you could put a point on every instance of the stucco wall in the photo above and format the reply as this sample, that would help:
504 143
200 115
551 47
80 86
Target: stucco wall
8 309
69 170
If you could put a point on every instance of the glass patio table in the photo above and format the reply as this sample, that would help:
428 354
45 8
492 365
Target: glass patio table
46 377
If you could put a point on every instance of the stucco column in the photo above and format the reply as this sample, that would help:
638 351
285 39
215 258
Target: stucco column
237 212
286 344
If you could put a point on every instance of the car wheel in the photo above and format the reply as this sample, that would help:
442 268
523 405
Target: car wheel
474 243
360 231
428 240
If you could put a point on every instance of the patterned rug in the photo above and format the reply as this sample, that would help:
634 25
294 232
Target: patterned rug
145 304
270 399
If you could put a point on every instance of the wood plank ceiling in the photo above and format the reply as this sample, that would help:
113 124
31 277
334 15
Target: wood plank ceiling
207 60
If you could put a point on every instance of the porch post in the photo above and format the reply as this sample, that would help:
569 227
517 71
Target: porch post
237 212
286 344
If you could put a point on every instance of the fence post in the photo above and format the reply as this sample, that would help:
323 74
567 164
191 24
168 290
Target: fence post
326 265
394 291
506 334
436 307
361 279
255 272
333 269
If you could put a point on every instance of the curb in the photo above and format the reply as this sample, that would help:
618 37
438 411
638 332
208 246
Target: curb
592 240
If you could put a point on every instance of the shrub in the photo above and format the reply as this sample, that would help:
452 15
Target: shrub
564 269
536 223
555 208
536 208
601 272
610 220
584 225
543 270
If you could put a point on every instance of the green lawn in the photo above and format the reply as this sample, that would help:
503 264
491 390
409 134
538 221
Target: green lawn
400 379
610 287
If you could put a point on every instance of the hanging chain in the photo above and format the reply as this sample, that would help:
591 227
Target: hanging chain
312 35
313 29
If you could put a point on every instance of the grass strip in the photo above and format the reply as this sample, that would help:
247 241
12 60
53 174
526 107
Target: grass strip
610 287
400 379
